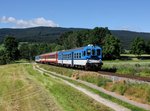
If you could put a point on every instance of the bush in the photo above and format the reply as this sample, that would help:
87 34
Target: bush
2 60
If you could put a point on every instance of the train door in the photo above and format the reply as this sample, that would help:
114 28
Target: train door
62 58
72 60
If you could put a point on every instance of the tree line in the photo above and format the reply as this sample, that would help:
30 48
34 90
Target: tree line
13 50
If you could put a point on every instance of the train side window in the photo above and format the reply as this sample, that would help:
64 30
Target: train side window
98 52
93 52
74 55
88 52
79 55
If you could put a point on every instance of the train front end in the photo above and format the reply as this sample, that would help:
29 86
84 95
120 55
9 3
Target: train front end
93 56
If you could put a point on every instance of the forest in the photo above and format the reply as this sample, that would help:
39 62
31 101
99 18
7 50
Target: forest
51 34
12 49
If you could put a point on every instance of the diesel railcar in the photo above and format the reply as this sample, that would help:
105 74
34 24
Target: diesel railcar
88 57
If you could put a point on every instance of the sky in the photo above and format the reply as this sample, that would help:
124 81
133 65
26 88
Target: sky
131 15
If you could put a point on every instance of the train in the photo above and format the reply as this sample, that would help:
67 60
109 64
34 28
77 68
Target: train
88 57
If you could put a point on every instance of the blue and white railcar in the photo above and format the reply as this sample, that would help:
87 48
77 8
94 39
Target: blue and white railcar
89 56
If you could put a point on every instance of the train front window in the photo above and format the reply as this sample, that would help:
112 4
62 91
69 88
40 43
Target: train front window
88 52
98 52
93 52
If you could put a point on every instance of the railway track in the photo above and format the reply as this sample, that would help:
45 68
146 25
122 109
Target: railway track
146 79
128 76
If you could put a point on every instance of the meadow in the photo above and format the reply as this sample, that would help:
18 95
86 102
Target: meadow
25 89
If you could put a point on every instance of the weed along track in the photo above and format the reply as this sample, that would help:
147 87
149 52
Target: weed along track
125 77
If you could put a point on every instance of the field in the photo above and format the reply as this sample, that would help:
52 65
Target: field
24 89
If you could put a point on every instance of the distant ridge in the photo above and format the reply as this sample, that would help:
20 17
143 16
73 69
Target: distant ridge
50 34
127 37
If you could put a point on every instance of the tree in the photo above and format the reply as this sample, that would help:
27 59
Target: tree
24 51
138 46
148 47
111 47
2 57
97 35
80 38
11 49
59 47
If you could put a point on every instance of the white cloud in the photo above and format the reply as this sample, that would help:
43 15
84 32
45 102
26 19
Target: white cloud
19 23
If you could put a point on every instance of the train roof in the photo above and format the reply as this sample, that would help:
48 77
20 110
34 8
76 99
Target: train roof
88 46
48 53
80 48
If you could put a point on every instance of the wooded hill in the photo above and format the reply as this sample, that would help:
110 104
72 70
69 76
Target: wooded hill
51 34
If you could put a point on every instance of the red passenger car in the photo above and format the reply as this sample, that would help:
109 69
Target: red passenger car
49 58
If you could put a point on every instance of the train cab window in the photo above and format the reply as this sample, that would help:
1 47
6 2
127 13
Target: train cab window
83 53
98 52
93 52
88 52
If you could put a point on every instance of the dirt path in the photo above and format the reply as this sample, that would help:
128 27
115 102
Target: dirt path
123 98
144 106
96 97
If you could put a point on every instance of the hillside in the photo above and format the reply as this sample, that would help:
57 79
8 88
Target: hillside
50 34
127 37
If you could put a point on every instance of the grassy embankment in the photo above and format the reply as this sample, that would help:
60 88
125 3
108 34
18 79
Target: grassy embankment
134 91
25 89
136 67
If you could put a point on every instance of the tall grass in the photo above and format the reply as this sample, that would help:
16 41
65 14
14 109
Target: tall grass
138 68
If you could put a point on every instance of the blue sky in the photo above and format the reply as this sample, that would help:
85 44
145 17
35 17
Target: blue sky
115 14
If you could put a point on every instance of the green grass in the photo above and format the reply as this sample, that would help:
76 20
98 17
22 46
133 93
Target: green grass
120 102
98 80
138 68
140 90
69 98
22 61
132 55
61 70
25 89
